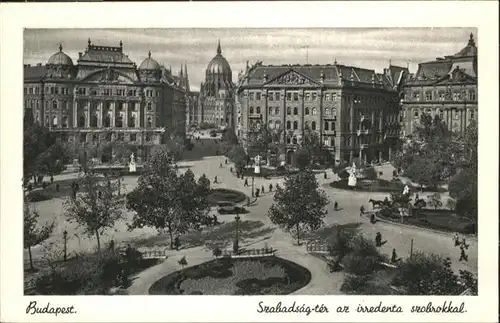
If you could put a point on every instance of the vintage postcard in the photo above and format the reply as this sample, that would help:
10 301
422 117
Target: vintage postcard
217 154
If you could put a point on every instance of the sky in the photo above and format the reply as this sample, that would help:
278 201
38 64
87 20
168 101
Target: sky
361 47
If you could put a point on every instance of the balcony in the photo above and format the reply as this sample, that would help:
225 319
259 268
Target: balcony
329 117
255 116
330 132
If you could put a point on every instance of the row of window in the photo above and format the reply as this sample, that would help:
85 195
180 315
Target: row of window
117 92
446 95
456 113
307 111
311 96
132 122
36 105
119 137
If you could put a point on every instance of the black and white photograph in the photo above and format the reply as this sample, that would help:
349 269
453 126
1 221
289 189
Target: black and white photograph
253 161
246 162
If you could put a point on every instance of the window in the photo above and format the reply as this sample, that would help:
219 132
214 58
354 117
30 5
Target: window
428 96
277 124
334 97
295 111
64 122
93 121
415 113
327 96
150 123
120 137
471 114
131 122
149 106
327 111
306 125
472 95
288 140
306 111
109 137
258 110
257 96
314 96
54 105
276 111
295 125
313 125
296 96
271 111
288 111
133 137
313 111
326 142
278 95
95 138
441 96
119 121
81 121
326 125
308 96
441 114
251 96
294 140
457 114
288 125
54 122
416 96
251 110
107 120
270 124
270 95
106 92
289 96
83 137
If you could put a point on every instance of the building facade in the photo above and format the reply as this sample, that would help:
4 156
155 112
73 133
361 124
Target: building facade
216 101
446 87
106 98
354 111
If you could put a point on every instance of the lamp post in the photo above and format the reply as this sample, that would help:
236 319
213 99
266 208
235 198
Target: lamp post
65 237
236 241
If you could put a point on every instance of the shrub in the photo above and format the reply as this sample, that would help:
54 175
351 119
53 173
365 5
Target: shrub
38 196
370 173
363 258
343 174
355 284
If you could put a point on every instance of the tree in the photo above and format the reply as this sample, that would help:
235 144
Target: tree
97 208
239 157
424 172
311 142
34 235
362 258
300 205
427 274
303 159
167 201
229 137
463 188
263 139
435 200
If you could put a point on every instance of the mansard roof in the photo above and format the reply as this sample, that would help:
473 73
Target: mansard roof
105 54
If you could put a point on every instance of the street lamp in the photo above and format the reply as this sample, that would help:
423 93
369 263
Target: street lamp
256 170
236 241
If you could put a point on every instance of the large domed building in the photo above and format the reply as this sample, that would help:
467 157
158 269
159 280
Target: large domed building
216 93
106 98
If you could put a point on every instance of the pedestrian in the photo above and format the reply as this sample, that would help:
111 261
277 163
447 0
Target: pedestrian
177 243
335 206
215 179
57 187
226 161
246 182
378 239
463 256
416 198
257 193
362 210
262 189
325 176
270 187
215 219
456 239
230 169
77 187
464 243
51 179
372 218
394 257
278 186
220 165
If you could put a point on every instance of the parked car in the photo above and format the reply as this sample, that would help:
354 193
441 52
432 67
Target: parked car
231 210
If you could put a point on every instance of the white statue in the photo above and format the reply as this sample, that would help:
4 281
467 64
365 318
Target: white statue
352 181
132 165
406 190
257 160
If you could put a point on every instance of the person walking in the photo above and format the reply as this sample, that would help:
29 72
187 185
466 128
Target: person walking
394 257
362 210
463 256
378 239
215 179
257 192
220 165
464 243
226 161
456 239
372 218
270 187
262 189
246 182
335 206
325 176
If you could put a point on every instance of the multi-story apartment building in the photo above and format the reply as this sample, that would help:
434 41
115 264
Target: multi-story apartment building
105 97
354 111
446 87
216 103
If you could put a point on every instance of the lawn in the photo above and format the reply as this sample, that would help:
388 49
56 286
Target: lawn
440 219
219 195
267 172
226 276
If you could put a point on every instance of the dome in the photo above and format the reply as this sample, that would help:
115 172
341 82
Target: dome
219 64
149 64
60 58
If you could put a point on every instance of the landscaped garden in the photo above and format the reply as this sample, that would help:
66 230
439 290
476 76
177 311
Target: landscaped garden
268 172
235 276
224 195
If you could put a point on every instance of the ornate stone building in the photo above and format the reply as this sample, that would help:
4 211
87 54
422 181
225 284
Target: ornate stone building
192 97
353 110
105 97
216 102
446 87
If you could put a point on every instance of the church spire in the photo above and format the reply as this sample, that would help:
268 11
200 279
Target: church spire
471 40
219 50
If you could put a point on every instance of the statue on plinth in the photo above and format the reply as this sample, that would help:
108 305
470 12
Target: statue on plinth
406 190
352 181
257 159
132 165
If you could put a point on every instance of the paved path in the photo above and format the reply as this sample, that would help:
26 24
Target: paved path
322 282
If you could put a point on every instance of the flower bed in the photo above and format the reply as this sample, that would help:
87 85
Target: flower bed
268 172
378 185
226 276
221 195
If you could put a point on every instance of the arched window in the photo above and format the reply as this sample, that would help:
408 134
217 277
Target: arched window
326 125
313 125
271 124
271 110
288 139
276 111
251 110
54 105
107 120
221 121
258 110
150 123
294 140
306 111
295 125
119 121
132 121
65 122
332 141
295 111
306 125
288 125
37 118
288 111
81 121
327 111
277 124
313 111
54 121
149 106
93 121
